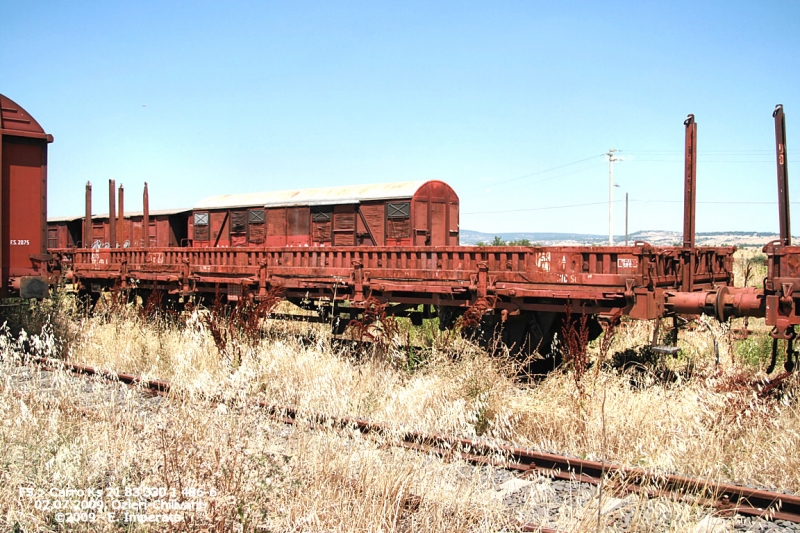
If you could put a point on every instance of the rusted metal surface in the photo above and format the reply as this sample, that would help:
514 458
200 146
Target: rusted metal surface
121 234
722 302
129 379
633 279
779 300
783 175
430 216
17 122
424 213
87 218
641 281
145 218
165 225
690 182
23 199
689 200
112 214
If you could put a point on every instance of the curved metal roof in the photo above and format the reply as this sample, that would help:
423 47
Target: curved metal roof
348 194
14 120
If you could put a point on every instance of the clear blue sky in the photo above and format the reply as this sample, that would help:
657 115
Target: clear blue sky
201 98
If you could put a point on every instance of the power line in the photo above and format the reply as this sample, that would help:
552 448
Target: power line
615 201
547 170
703 151
536 208
707 202
506 189
711 161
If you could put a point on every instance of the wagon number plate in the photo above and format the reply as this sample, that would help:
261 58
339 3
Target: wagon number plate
627 263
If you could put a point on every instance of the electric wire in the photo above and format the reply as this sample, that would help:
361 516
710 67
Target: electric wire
539 172
616 202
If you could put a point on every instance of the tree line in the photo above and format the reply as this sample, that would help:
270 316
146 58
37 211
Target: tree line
497 241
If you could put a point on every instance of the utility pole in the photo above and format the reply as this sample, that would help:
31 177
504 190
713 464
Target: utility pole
611 160
626 219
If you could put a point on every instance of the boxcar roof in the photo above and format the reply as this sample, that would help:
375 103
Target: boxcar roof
14 120
348 194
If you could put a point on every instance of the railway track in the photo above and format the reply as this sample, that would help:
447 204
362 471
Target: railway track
726 499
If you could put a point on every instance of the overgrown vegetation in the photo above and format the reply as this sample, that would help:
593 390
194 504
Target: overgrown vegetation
497 241
698 413
751 267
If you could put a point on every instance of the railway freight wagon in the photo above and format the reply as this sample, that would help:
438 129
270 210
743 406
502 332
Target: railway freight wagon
421 213
23 203
348 252
410 213
167 227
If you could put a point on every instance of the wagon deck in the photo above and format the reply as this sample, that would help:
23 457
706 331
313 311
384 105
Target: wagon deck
630 279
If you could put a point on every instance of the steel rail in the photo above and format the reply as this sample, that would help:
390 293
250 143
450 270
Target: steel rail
725 497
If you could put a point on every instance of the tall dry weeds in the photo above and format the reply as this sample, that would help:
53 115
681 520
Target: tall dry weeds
682 414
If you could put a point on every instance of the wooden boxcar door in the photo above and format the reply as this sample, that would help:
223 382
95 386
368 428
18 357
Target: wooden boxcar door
239 228
219 228
438 224
55 235
344 225
370 225
256 220
452 224
298 231
276 226
421 227
321 225
398 224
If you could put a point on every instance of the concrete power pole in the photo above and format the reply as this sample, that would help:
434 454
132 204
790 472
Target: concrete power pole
611 160
626 219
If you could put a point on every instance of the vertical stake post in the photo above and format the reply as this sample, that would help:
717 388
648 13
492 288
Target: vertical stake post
87 220
121 216
146 217
112 214
783 175
689 202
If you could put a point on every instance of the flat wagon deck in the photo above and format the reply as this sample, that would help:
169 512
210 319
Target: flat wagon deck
631 280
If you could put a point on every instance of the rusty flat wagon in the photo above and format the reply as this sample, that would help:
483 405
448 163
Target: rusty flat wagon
341 250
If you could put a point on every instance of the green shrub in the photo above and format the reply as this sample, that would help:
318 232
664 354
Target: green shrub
755 350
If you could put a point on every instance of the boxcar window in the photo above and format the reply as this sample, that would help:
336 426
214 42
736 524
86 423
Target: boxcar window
398 220
321 214
256 216
201 232
238 222
402 210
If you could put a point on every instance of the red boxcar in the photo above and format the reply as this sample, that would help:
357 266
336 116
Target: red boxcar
422 213
167 228
23 202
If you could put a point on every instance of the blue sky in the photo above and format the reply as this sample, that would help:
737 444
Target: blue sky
202 98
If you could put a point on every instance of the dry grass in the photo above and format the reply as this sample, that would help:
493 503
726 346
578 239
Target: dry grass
255 474
687 415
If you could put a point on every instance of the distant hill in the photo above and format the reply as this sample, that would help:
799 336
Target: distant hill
659 238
